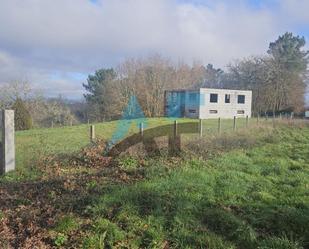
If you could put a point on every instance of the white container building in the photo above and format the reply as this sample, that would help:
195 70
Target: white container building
207 103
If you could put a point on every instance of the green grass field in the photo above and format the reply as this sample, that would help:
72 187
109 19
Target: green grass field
256 198
32 144
246 190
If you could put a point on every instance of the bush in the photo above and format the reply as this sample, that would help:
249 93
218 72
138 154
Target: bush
23 120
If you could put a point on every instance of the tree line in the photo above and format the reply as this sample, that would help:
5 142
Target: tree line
278 81
33 110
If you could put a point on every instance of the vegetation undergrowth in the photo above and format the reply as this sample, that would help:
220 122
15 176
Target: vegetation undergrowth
255 198
243 190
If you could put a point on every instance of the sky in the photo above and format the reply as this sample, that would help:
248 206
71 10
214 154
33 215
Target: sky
55 44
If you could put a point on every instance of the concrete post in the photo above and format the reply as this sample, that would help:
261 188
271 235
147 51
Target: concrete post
247 121
52 124
7 152
234 124
219 125
257 119
92 133
201 127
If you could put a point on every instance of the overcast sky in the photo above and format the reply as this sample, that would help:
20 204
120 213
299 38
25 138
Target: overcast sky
55 44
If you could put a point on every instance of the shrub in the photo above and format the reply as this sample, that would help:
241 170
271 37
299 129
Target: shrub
23 120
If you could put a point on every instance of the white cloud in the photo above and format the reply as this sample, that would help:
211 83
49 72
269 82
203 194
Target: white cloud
296 11
38 37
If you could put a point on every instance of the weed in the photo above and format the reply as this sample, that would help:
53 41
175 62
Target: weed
60 239
66 224
128 163
278 243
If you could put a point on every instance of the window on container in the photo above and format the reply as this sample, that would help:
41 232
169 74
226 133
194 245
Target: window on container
240 112
241 99
213 111
227 98
213 98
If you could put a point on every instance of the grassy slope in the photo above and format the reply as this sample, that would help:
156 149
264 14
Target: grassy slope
257 198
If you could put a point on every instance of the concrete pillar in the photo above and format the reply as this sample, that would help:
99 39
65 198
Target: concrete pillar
7 162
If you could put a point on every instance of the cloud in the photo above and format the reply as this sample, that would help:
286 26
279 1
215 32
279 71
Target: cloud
296 11
39 39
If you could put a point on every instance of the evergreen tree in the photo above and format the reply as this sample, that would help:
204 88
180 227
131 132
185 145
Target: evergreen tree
97 88
23 120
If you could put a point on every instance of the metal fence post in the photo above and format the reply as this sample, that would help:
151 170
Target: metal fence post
175 128
201 127
92 133
247 121
234 124
174 142
141 129
7 152
219 125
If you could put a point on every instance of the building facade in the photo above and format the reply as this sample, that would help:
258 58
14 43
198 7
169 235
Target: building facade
206 103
